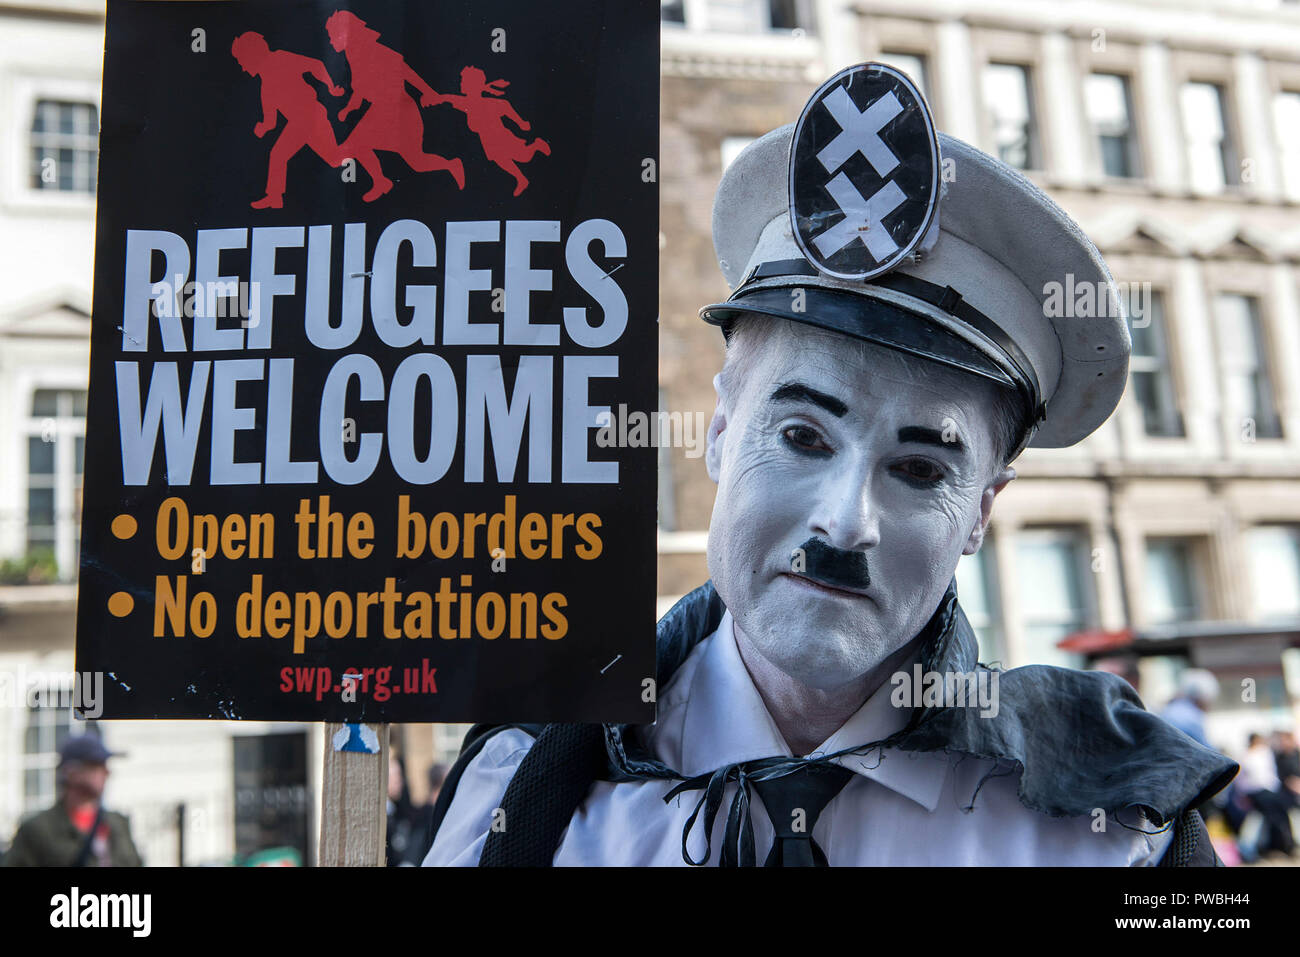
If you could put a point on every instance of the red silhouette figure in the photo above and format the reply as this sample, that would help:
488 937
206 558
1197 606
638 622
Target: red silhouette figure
286 92
484 116
393 122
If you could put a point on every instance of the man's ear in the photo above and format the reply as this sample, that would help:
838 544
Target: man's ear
1000 481
717 430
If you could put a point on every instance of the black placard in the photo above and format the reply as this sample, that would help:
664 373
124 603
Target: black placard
292 307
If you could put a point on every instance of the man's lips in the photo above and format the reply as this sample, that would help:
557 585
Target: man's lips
821 586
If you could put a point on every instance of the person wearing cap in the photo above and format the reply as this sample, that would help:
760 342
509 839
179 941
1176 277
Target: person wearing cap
1198 689
78 830
820 701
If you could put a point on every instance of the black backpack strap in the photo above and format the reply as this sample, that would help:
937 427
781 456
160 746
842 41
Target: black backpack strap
548 787
475 739
1191 846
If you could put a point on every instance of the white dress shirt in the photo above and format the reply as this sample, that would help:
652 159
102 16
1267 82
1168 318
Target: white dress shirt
1259 770
900 808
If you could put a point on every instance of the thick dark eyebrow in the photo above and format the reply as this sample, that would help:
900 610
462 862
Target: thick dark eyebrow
797 391
925 436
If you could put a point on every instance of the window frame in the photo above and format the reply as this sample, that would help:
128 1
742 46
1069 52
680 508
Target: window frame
1036 161
987 560
24 92
695 17
44 761
1261 313
1134 151
67 532
1171 383
1288 186
1291 528
1229 148
1197 548
1077 536
1219 69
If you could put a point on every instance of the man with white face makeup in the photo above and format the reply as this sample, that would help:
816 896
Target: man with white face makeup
881 470
889 355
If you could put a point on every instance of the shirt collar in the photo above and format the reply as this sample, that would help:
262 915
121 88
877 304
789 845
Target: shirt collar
726 722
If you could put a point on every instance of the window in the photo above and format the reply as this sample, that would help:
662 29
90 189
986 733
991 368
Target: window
1008 97
56 443
672 11
447 740
789 14
1248 390
913 65
1286 117
1110 112
1149 371
64 146
49 724
1050 564
1210 156
744 16
977 592
1273 552
1171 588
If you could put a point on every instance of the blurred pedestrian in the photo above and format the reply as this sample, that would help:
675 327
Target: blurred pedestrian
437 775
1262 788
406 821
1286 755
1198 689
78 831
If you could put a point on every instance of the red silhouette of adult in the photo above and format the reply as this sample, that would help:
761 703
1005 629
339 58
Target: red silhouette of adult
483 115
287 93
393 122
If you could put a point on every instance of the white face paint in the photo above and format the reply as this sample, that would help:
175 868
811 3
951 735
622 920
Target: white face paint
833 439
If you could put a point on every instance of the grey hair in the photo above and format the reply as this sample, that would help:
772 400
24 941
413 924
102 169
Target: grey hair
750 332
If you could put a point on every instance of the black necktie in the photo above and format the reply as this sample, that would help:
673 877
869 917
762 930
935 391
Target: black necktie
794 801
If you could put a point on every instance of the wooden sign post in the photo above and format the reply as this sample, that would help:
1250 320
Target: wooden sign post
354 796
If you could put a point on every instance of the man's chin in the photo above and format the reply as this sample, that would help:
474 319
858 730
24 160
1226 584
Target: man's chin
818 654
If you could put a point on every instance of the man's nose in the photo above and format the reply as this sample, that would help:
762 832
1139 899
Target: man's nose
845 514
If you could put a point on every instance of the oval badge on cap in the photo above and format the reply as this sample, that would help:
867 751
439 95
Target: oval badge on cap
864 172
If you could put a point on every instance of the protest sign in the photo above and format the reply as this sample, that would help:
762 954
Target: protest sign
365 280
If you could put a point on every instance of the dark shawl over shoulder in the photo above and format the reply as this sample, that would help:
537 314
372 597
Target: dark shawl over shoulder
1082 738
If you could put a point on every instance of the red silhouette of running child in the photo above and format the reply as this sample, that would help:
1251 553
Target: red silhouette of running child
483 114
393 122
286 92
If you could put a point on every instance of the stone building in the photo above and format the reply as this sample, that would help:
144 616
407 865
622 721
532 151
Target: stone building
1171 132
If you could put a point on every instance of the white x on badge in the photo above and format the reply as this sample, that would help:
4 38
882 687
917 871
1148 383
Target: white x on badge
859 214
859 131
864 151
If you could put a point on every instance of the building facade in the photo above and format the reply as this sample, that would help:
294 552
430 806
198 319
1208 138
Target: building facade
1171 131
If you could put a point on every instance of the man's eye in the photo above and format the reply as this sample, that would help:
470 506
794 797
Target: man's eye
805 439
920 470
